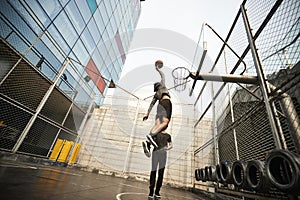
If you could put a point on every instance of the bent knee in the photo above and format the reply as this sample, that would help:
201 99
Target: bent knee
165 121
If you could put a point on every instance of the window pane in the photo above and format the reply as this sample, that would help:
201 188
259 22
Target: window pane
81 53
103 13
63 2
98 59
102 50
92 5
118 15
107 61
88 41
108 8
75 17
25 15
52 7
94 30
110 31
19 25
66 29
84 10
4 29
36 10
58 38
99 21
54 55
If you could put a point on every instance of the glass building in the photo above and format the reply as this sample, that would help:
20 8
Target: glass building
57 60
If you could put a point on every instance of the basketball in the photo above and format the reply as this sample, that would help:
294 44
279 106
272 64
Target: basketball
159 64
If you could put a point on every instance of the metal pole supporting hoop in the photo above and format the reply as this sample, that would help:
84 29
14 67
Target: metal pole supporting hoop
180 75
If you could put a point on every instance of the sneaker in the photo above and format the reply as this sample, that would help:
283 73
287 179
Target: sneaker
151 140
157 196
150 196
146 150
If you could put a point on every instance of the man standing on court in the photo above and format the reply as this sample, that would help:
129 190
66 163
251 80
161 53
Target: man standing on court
159 159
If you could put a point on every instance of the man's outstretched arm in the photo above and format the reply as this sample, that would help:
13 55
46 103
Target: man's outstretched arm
162 75
150 108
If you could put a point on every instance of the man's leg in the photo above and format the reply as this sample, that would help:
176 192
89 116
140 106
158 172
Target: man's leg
163 116
161 124
152 183
162 163
154 165
159 181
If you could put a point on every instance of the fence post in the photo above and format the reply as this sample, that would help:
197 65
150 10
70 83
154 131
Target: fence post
214 125
81 128
270 107
131 137
231 111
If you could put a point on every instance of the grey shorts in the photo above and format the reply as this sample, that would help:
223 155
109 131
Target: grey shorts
164 109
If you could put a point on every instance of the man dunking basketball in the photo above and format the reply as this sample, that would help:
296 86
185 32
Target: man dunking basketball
164 110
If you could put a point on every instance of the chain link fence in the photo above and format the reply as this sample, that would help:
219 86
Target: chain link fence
112 143
241 121
31 121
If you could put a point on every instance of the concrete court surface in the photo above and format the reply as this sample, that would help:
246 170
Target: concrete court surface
21 180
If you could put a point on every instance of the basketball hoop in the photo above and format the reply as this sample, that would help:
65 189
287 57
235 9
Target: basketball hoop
180 75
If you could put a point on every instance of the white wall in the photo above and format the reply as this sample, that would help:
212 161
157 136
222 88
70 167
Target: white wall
112 142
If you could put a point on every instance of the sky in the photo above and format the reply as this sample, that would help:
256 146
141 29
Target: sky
180 22
187 17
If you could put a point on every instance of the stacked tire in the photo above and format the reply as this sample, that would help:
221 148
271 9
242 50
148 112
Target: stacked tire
280 169
283 171
257 179
239 174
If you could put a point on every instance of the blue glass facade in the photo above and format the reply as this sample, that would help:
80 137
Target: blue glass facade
47 32
57 58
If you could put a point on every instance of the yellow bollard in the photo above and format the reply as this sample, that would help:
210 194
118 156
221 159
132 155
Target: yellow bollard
75 153
57 148
65 151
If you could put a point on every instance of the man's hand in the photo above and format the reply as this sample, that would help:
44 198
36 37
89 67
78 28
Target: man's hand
169 146
145 117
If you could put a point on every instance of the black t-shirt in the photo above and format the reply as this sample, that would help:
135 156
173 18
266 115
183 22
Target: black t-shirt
162 140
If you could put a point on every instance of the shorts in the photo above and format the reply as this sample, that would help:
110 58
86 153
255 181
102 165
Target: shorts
164 109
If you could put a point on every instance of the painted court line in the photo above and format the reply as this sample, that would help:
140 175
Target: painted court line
126 193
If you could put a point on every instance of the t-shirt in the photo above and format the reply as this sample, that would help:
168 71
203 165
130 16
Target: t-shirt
162 90
162 140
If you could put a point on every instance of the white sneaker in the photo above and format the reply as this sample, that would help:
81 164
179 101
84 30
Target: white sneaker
151 140
146 150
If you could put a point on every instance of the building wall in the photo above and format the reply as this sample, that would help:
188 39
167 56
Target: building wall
89 30
112 142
